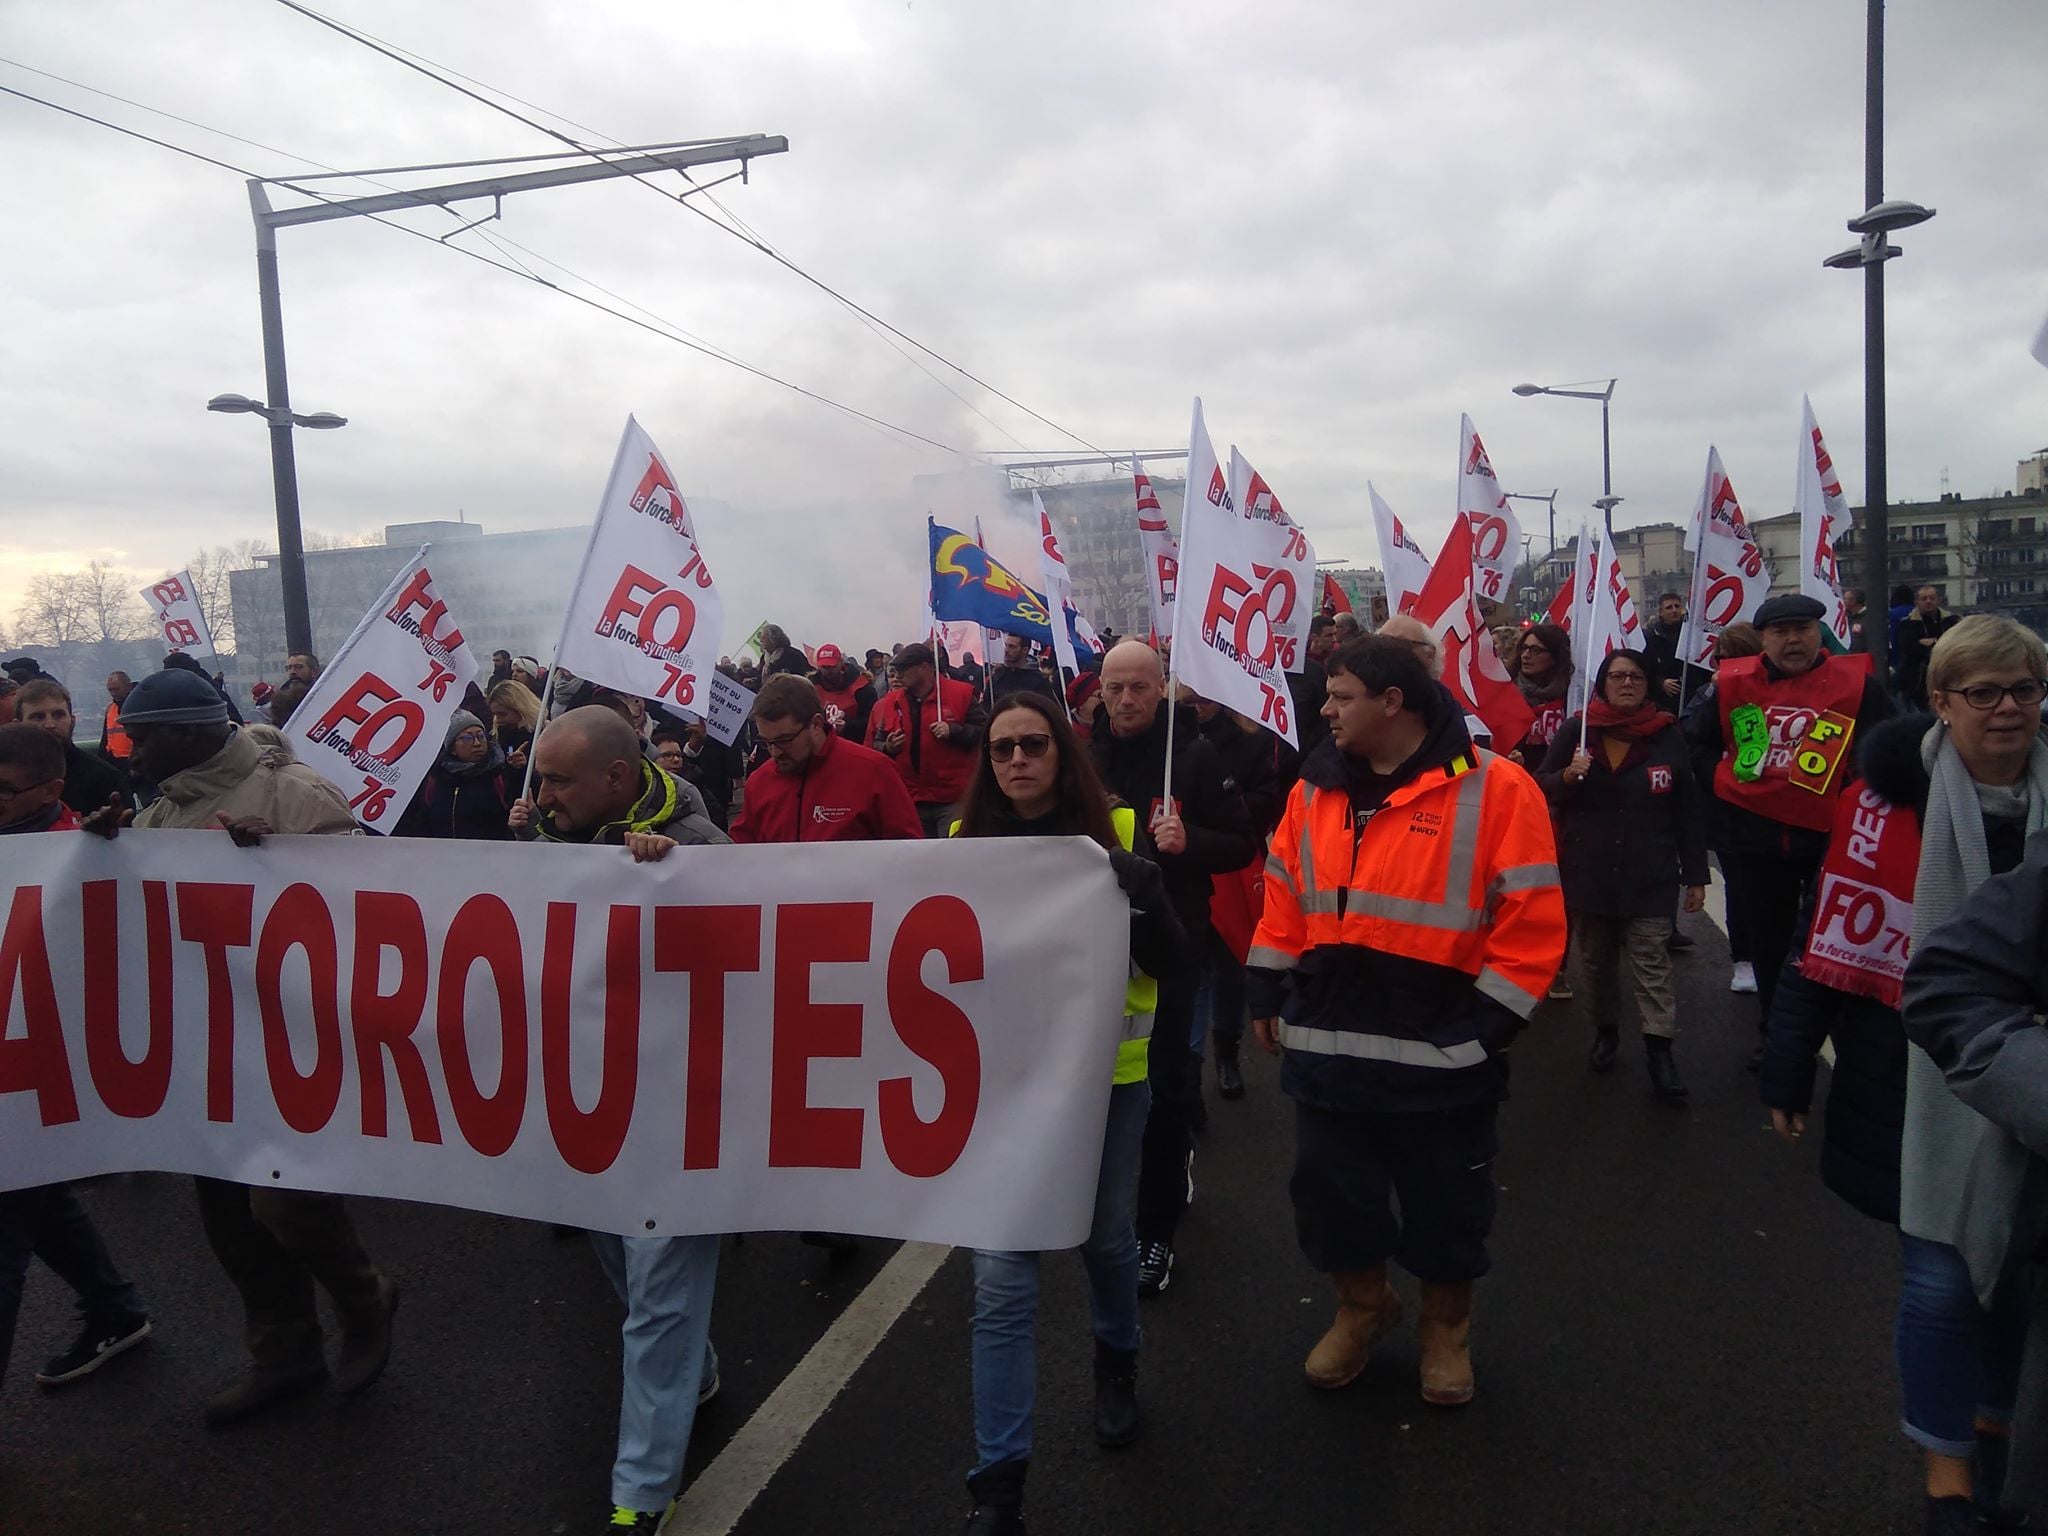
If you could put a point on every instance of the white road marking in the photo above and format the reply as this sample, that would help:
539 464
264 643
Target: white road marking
716 1501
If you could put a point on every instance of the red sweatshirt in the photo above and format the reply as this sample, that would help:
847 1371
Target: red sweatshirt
845 793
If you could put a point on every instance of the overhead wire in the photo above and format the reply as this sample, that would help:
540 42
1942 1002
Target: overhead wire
663 328
420 64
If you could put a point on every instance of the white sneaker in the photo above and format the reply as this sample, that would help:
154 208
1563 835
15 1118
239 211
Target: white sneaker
1744 979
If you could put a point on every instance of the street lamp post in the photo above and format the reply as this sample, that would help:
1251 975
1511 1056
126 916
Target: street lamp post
1872 250
1604 396
1549 500
284 479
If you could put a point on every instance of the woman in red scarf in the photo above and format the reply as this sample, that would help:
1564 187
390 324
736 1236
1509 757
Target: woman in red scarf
1631 823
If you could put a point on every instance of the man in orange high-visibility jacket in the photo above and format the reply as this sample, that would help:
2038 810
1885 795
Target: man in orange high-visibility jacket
1413 920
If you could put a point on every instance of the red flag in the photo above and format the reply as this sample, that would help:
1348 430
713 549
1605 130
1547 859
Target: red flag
1560 611
1334 598
1449 605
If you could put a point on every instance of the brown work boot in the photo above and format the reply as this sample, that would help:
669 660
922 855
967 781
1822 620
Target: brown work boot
261 1386
1446 1331
1367 1310
366 1341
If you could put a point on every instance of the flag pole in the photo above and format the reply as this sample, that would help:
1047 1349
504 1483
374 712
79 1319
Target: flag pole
1172 694
547 693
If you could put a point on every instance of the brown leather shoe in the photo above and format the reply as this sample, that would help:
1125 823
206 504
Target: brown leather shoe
366 1342
262 1385
1367 1311
1446 1332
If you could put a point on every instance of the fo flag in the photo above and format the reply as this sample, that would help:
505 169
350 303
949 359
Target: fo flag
1162 552
1824 516
1242 591
1496 534
1256 502
1729 578
645 617
1449 605
1407 567
178 614
376 721
1604 617
1059 589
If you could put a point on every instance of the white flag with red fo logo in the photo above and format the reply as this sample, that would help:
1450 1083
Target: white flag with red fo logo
1161 550
1496 532
175 606
376 720
644 617
1406 566
1059 590
1255 501
1240 591
1729 576
1824 516
1473 671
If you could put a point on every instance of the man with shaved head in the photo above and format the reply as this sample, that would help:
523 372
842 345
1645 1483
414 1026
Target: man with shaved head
1405 626
1204 832
595 786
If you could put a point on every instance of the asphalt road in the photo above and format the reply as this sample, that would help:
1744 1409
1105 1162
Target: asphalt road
1684 1333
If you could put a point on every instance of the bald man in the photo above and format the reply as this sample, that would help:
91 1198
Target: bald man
596 786
1405 626
1206 831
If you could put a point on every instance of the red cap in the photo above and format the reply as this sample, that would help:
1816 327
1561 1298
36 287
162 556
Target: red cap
829 657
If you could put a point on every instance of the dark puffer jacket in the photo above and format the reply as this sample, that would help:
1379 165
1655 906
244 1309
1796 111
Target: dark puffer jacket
1627 837
1866 1111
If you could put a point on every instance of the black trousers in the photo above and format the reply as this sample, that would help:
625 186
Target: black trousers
1771 889
1174 1072
48 1222
1350 1168
274 1243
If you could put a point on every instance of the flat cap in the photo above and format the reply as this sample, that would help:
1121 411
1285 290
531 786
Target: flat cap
1789 608
174 698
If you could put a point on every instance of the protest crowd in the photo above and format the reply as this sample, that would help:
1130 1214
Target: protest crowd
1570 798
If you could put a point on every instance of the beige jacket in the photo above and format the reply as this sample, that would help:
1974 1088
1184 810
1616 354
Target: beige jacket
243 779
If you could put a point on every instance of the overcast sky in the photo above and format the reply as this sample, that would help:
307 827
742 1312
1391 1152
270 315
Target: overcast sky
1341 224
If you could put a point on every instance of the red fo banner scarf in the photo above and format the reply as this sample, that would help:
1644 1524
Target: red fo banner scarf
1863 910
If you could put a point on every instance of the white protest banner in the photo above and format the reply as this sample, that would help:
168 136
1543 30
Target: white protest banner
1255 501
1824 516
644 616
175 607
1496 532
910 1040
1161 550
1729 578
376 720
1612 622
1241 594
1059 590
1401 558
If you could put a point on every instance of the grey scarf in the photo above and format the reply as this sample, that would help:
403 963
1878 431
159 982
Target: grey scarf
1960 1175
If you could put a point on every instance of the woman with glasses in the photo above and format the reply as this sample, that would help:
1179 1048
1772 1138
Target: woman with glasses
1035 779
1942 806
1631 828
470 791
1544 674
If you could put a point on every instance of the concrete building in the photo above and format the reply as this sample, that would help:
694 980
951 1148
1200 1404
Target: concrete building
2032 476
1653 560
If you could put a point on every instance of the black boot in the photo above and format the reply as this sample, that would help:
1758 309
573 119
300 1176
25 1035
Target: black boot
1993 1514
1116 1396
998 1496
1954 1516
1229 1077
1601 1057
1664 1078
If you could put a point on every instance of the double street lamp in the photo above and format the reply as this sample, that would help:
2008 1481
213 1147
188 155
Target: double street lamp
1608 500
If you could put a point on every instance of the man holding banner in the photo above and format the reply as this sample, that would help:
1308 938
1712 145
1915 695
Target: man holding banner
273 1242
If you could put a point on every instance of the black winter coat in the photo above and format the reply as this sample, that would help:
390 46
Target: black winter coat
469 801
1866 1111
1627 838
1257 764
1220 835
90 782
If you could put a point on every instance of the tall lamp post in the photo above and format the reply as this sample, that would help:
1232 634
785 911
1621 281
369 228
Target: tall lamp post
1608 500
1872 250
284 475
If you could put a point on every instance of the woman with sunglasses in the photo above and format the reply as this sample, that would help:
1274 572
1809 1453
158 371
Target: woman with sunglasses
1543 672
1939 807
1631 827
1035 779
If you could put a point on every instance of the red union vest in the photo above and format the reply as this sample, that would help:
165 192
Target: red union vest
1812 721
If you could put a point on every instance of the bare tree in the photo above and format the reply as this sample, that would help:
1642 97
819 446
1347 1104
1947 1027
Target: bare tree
52 611
110 603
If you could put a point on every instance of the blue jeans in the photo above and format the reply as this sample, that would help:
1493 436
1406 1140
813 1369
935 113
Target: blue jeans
49 1223
666 1284
1219 1000
1957 1360
1006 1293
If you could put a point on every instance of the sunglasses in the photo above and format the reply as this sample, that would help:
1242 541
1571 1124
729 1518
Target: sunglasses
1002 749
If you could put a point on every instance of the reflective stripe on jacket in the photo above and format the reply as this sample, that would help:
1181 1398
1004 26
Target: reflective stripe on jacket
1414 944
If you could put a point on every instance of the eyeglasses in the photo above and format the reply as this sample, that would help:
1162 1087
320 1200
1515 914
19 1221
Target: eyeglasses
1532 647
1002 749
471 739
1625 677
775 743
9 791
2026 693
